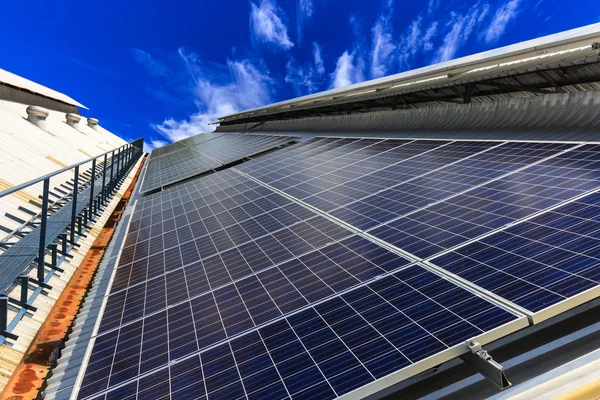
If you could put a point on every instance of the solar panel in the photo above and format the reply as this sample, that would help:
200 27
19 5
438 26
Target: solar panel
214 259
395 324
242 283
202 153
478 211
544 265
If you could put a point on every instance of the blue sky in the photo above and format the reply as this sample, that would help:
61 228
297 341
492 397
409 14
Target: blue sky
163 70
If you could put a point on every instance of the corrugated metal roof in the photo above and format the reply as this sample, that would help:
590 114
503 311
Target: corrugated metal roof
17 81
563 49
28 152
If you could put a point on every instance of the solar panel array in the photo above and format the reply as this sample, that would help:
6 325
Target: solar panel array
538 263
202 153
242 284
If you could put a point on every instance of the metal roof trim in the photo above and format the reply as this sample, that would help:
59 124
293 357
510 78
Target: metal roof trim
14 80
570 39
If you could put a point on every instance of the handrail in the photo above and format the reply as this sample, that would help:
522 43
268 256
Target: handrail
58 232
136 143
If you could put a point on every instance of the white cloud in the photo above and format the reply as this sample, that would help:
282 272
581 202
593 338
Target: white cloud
319 65
429 35
154 67
383 47
306 7
267 25
409 44
505 13
461 28
307 78
348 70
304 12
154 144
432 6
246 88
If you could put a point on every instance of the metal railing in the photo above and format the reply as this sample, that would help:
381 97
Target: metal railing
55 230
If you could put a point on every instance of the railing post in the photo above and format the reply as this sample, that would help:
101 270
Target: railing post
42 247
3 313
24 288
93 180
54 250
63 242
104 194
112 170
119 161
74 208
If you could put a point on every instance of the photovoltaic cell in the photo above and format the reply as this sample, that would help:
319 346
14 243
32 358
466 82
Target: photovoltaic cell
253 295
323 351
478 211
203 153
539 263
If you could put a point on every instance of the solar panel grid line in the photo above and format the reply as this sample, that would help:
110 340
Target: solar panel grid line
549 200
269 142
424 140
425 175
434 201
342 157
263 180
244 277
174 305
414 257
391 150
334 181
316 146
268 233
520 323
552 256
338 186
168 168
515 223
593 292
347 200
273 267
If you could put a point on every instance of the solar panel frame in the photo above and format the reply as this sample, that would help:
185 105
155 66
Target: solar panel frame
194 156
388 380
532 267
407 277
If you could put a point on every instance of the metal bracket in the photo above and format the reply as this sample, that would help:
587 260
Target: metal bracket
486 366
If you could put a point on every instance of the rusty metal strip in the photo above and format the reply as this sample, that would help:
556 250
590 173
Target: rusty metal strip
30 375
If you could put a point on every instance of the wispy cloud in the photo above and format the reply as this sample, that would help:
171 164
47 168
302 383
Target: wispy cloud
303 13
247 87
430 33
215 90
154 144
306 78
409 43
432 6
319 64
383 47
266 23
504 14
349 69
154 67
461 28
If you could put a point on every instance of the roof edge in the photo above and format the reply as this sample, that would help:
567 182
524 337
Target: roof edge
537 46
